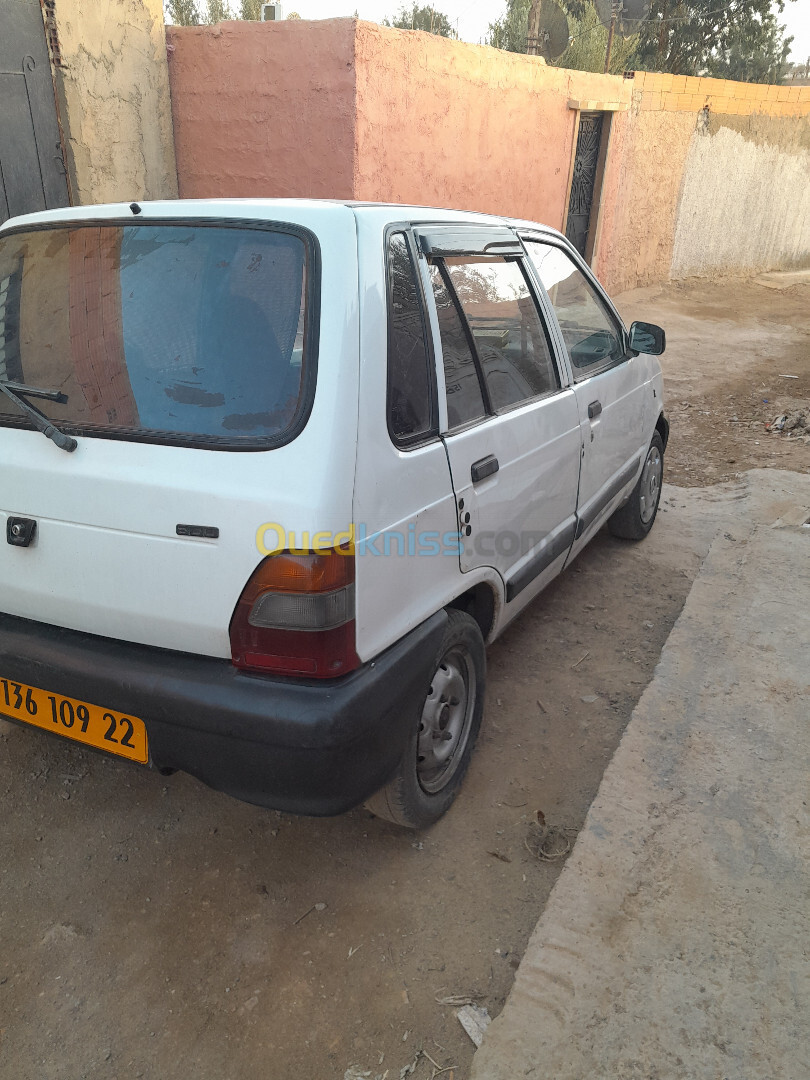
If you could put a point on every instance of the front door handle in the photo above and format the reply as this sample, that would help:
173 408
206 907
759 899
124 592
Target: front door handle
486 466
594 409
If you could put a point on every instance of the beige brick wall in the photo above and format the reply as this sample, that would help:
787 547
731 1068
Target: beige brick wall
684 93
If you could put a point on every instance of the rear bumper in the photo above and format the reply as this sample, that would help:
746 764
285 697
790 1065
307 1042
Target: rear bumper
302 746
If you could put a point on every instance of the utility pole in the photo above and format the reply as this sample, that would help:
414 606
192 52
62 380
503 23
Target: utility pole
615 7
533 29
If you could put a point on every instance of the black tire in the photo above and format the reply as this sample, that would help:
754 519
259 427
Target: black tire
430 772
635 519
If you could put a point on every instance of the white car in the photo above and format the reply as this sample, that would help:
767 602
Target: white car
274 472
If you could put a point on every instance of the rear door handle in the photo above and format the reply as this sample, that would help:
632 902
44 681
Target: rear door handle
484 467
594 409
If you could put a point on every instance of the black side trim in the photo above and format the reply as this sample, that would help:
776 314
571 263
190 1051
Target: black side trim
591 510
559 543
662 427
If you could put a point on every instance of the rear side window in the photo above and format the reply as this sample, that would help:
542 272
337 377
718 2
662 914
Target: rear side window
465 401
512 347
496 351
192 334
410 376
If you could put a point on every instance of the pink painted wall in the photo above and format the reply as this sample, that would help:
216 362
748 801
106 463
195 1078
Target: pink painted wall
346 109
448 124
264 109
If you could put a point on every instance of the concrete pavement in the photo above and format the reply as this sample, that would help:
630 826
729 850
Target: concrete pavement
675 942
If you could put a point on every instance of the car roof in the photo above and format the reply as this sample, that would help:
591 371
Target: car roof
267 210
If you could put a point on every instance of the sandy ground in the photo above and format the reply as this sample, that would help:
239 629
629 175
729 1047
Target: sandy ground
150 927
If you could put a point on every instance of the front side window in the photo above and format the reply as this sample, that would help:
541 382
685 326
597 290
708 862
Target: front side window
496 352
196 334
593 338
410 377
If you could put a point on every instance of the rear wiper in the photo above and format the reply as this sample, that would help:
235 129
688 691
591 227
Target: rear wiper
15 392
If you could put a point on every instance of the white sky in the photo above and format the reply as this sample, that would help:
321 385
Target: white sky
472 17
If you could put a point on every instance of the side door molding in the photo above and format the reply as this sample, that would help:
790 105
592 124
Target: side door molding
587 514
556 543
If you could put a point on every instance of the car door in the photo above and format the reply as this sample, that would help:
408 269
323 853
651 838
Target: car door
511 430
608 381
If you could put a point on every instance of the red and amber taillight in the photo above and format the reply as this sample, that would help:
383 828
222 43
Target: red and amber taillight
296 616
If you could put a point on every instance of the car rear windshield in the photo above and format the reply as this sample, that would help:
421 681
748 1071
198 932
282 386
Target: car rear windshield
185 333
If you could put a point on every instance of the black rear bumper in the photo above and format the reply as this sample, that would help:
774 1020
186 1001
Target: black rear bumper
309 747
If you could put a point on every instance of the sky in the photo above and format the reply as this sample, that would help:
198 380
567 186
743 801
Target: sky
472 17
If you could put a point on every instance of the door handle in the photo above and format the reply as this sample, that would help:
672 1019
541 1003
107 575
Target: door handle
484 467
594 409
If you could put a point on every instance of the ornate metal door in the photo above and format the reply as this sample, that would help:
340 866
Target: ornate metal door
32 172
583 181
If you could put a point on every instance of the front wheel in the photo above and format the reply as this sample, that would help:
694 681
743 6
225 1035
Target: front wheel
635 519
430 771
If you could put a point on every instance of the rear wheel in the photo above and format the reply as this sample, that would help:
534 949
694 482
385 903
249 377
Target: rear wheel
432 768
635 519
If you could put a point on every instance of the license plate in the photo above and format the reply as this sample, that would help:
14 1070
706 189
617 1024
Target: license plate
79 720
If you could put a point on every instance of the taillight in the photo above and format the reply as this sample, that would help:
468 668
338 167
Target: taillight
296 616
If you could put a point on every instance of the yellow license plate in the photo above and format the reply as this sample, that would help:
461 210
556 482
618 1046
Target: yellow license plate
79 720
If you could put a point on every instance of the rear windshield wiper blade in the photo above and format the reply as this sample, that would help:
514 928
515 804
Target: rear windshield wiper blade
15 392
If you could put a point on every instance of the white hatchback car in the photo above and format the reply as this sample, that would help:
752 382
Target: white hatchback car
303 460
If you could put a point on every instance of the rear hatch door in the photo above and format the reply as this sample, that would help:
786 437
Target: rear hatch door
187 353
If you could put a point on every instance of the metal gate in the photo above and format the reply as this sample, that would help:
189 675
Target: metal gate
32 171
583 181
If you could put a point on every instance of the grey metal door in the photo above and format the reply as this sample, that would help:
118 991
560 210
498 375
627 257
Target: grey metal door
32 172
583 182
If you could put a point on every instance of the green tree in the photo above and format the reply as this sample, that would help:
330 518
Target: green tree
510 32
588 45
217 11
182 12
251 10
729 39
759 57
422 18
737 39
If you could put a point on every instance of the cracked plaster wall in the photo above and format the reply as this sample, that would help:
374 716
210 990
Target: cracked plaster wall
112 87
745 199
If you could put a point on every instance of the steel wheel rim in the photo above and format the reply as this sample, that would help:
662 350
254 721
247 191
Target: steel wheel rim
650 486
444 726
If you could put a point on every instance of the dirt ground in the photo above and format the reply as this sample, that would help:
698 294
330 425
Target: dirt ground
732 349
152 928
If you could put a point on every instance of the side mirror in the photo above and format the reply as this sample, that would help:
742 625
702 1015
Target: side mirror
646 337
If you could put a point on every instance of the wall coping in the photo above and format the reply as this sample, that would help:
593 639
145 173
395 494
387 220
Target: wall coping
597 106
